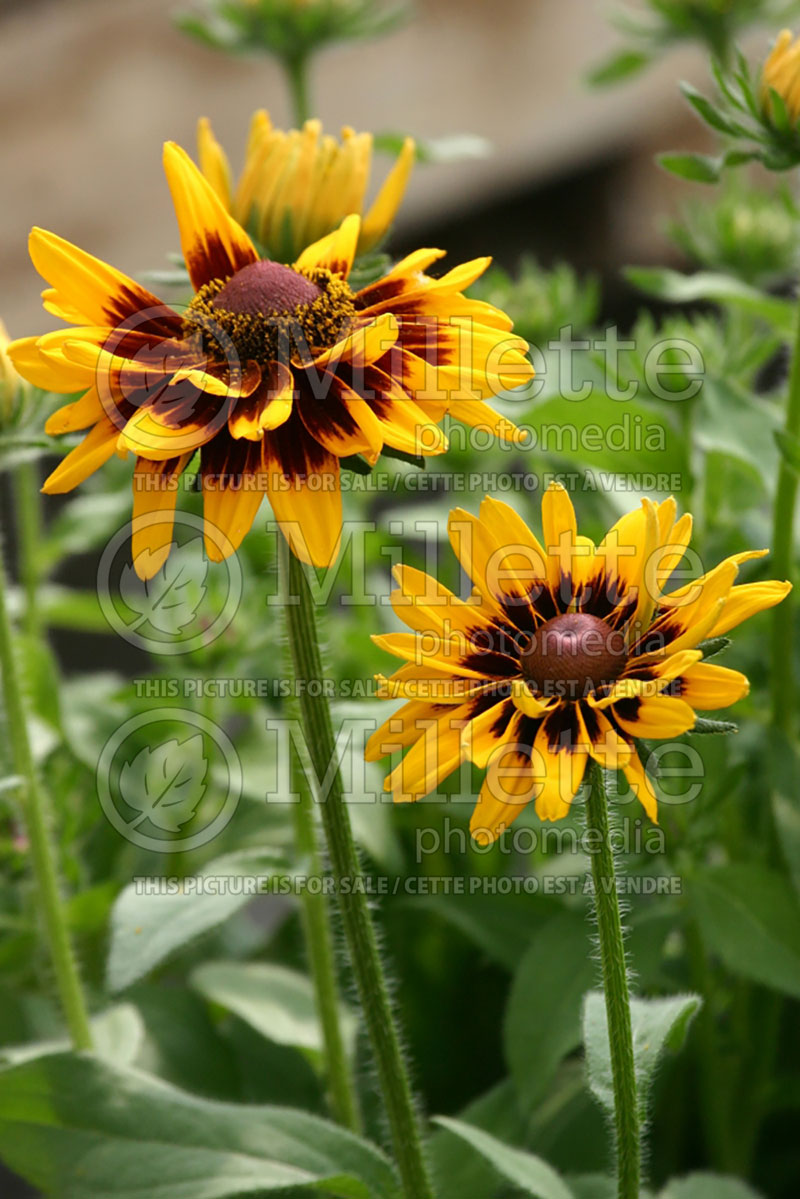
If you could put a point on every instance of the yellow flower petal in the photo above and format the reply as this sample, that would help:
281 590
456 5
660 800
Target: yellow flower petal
214 162
214 245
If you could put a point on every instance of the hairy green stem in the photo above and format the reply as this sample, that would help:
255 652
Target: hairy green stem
782 561
29 531
318 932
615 989
359 931
321 957
42 852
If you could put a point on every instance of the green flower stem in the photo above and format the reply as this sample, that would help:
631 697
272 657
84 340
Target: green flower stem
782 562
356 920
315 914
29 533
615 988
297 77
321 957
42 852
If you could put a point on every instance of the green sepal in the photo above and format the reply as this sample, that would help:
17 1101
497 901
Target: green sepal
713 646
713 728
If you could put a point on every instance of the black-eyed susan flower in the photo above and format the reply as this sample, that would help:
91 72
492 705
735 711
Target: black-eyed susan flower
564 651
272 373
298 185
781 74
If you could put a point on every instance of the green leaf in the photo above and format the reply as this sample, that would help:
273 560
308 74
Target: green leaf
76 1127
500 925
789 446
710 113
594 1186
732 420
700 168
146 928
117 1036
708 1186
622 65
523 1169
711 285
657 1024
750 917
597 425
783 781
275 1001
543 1015
456 1173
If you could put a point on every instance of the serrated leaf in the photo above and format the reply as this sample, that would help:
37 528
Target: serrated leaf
76 1127
526 1171
165 784
657 1025
750 917
147 926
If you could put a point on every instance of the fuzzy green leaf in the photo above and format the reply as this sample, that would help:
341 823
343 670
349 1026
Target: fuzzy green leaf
658 1024
76 1127
526 1171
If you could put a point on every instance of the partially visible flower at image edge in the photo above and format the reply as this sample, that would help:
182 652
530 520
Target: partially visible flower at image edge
300 184
273 373
781 73
9 379
564 652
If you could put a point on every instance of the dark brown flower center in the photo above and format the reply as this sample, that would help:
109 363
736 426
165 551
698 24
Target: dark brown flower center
267 312
266 287
572 656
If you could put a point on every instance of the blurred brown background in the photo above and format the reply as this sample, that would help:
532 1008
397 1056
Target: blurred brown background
90 89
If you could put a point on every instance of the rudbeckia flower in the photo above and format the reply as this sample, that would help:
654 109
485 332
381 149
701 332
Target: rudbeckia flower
272 372
781 73
564 651
296 186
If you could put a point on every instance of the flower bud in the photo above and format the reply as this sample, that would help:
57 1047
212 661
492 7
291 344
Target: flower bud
781 74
